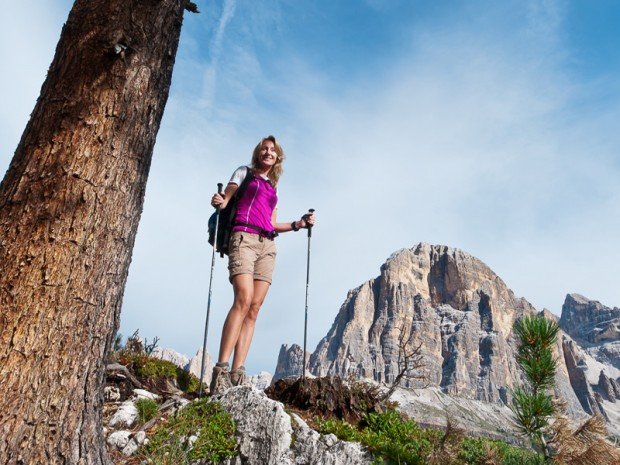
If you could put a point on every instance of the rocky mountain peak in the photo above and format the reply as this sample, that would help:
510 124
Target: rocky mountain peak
441 274
589 320
450 302
461 315
290 362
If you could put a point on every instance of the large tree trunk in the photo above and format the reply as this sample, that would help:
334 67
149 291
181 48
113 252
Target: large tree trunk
69 210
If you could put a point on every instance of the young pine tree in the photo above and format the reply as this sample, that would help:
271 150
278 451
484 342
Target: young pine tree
532 403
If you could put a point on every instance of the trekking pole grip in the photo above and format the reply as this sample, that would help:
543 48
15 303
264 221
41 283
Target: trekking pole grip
220 186
310 212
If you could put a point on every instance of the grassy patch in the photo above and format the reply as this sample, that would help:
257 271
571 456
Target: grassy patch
147 409
156 370
201 431
394 439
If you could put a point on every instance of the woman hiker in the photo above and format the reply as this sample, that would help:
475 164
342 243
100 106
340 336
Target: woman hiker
252 254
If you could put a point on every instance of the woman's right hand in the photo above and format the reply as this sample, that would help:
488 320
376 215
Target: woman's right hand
217 201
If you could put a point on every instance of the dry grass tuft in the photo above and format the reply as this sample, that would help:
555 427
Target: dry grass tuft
447 449
587 445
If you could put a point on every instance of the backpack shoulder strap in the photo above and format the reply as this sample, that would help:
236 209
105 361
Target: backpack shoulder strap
249 175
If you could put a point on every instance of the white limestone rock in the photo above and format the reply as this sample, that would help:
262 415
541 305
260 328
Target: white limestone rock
111 394
315 449
261 381
119 439
173 405
130 448
134 443
125 416
143 394
263 427
265 432
140 437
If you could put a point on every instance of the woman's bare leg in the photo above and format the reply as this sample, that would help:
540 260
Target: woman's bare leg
243 288
249 323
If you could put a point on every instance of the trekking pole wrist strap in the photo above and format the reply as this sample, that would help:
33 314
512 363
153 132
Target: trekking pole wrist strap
294 226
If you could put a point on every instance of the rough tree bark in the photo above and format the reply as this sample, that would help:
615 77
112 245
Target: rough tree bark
69 209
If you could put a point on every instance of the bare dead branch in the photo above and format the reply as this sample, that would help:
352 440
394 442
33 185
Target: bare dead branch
410 360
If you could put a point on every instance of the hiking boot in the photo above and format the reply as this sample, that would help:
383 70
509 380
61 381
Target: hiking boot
238 377
220 379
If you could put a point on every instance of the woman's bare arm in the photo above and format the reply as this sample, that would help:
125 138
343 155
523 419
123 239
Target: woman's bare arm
222 201
304 222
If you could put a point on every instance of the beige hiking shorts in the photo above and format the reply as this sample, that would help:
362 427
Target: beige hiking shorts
251 254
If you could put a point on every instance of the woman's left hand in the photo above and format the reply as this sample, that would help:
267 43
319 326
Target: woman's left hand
307 220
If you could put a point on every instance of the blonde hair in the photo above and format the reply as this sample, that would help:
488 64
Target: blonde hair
276 170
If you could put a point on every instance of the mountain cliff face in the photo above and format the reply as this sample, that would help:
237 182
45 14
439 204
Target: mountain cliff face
591 322
592 354
461 314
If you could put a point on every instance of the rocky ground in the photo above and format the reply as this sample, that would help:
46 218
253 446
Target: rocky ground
266 433
279 426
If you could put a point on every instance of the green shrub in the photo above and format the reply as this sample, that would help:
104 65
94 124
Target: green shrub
388 436
147 409
340 428
214 428
186 381
475 451
394 439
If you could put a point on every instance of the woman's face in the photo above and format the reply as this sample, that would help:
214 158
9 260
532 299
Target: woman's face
267 156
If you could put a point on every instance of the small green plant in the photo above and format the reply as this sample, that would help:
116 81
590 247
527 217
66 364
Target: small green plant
201 431
147 409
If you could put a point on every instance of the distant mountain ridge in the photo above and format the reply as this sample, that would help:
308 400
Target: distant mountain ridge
462 314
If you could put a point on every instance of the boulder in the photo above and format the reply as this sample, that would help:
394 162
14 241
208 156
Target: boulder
268 436
125 416
111 394
144 394
119 439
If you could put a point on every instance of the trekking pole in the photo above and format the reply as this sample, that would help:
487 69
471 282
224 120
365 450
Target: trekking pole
303 375
204 342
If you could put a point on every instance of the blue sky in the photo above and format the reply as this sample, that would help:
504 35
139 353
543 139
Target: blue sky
487 126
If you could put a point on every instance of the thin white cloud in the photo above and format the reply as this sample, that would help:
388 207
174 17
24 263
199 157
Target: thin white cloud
215 52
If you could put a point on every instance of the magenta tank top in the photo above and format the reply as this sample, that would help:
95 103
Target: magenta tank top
256 205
